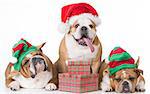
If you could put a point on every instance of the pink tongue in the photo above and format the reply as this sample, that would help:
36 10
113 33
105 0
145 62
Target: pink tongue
89 43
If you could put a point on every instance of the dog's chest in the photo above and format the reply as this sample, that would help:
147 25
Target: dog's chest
39 81
76 51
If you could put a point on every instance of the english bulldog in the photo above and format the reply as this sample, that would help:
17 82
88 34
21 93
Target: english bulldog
80 41
124 81
36 70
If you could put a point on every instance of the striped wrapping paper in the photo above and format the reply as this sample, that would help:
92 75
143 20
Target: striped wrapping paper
78 83
79 63
79 69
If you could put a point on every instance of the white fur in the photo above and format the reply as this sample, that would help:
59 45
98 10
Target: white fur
39 81
76 51
124 73
106 85
82 21
14 85
50 86
140 86
94 18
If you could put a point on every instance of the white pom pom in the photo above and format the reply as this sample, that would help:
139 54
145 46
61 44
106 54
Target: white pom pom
13 60
64 27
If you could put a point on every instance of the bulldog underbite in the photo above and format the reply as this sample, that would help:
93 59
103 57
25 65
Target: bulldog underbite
123 76
33 69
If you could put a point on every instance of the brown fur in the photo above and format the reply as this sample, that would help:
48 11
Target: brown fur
25 69
96 66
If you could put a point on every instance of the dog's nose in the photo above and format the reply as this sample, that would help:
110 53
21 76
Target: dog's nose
83 28
125 83
33 76
84 32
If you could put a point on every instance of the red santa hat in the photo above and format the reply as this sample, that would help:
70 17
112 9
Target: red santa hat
70 13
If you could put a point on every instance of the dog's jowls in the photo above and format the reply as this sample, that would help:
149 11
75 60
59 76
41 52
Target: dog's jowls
37 71
124 81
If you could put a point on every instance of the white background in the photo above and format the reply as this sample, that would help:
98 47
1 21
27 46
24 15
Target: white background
125 23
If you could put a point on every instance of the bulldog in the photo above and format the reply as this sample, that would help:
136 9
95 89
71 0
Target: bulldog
33 69
80 41
124 78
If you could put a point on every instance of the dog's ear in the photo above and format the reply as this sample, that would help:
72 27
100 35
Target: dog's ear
40 46
137 62
138 71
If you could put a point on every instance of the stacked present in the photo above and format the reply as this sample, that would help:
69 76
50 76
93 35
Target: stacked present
79 78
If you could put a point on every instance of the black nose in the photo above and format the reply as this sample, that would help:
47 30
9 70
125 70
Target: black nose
33 76
125 83
83 28
84 32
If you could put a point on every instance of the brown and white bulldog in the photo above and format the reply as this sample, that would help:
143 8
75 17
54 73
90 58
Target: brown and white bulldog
37 71
80 42
124 81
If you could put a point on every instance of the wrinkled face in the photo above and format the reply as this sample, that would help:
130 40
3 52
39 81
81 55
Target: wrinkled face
125 81
83 31
34 63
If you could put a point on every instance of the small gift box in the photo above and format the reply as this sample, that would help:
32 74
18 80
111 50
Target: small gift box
78 83
79 62
79 69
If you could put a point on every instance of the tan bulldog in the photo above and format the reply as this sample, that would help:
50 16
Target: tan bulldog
80 41
33 68
127 80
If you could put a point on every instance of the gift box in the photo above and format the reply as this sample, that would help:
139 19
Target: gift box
79 62
85 70
78 83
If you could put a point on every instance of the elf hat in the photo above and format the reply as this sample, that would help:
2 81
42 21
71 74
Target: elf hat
20 50
120 59
70 13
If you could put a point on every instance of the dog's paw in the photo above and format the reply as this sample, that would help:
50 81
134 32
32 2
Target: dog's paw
140 87
140 90
107 89
14 86
50 86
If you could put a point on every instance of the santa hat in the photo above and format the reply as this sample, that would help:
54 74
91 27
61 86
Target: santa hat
70 13
20 50
120 59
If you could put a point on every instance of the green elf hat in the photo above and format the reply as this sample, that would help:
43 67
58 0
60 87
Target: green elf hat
20 50
120 59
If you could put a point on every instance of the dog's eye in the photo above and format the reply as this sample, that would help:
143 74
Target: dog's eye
76 26
118 79
91 26
131 78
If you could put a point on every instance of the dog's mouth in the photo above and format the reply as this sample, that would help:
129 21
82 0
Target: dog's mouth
85 41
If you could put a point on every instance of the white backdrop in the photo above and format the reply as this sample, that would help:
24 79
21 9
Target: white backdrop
125 23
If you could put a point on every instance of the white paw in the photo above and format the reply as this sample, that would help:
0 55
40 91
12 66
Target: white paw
14 86
140 87
106 87
50 86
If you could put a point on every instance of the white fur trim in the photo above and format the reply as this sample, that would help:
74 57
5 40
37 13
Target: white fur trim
13 60
64 27
95 19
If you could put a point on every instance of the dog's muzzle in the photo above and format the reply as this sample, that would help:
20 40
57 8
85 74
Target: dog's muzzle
84 32
126 87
